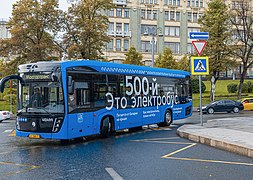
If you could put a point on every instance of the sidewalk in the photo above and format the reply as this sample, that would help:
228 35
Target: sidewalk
231 134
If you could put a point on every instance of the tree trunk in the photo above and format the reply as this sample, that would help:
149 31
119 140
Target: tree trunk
241 82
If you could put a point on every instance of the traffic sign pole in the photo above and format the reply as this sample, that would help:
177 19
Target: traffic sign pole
200 101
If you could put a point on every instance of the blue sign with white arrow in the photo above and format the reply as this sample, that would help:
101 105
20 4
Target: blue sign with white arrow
199 35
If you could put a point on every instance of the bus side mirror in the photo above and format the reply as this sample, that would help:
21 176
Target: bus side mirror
71 85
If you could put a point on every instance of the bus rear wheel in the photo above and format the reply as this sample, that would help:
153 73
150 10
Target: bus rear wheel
167 119
106 128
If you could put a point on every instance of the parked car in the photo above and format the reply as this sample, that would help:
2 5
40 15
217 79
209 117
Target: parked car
1 118
248 103
6 114
223 106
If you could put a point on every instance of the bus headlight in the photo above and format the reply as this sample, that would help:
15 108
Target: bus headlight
57 124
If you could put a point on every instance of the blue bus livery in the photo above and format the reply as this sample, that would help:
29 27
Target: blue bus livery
71 99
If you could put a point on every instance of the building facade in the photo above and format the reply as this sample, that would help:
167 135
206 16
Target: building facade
133 22
4 32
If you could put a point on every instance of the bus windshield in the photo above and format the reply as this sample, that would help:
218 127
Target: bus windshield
44 97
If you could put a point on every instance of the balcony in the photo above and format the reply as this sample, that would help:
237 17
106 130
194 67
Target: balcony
120 2
119 33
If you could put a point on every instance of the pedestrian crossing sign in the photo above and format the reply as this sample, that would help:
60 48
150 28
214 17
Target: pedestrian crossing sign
199 65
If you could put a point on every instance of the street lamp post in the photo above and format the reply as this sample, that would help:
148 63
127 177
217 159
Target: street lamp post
154 33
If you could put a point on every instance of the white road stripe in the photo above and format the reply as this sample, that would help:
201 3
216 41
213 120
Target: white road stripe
8 131
113 174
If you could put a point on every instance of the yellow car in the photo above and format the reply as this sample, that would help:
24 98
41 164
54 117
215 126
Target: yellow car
248 103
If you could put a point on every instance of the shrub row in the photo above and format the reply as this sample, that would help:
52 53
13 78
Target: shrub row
246 87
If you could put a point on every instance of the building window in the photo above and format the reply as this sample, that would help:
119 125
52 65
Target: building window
110 45
195 17
172 31
165 2
178 2
170 2
174 2
174 47
172 15
155 1
201 3
126 27
166 16
119 12
146 46
193 3
111 26
190 49
148 14
177 16
126 13
118 44
189 16
188 3
197 3
154 14
126 44
143 12
151 1
147 29
111 13
118 27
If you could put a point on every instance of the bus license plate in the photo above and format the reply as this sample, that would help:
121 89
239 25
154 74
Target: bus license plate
34 136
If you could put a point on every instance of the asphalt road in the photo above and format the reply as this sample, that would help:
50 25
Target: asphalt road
153 153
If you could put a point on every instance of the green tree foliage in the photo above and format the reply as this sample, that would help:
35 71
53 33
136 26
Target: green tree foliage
184 64
133 57
215 20
86 25
241 18
195 86
166 60
32 26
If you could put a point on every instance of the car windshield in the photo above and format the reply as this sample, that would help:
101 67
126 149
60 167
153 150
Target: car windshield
46 97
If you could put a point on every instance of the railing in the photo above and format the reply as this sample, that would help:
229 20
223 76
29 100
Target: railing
120 2
120 33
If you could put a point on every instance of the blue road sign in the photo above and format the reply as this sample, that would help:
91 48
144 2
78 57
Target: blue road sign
199 35
199 65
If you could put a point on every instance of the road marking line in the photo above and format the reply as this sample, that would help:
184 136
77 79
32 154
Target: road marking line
210 161
13 133
8 130
157 139
31 167
169 156
113 174
179 150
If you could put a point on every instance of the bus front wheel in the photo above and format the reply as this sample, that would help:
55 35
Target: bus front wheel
167 119
106 126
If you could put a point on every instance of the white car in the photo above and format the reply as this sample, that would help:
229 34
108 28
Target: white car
5 114
1 117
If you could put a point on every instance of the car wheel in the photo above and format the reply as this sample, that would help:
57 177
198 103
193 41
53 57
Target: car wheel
210 111
236 110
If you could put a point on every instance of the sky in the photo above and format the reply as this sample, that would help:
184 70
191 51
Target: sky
6 7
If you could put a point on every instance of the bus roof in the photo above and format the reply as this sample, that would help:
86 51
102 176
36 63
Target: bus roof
115 68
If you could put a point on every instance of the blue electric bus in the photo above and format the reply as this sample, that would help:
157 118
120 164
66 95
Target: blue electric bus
72 99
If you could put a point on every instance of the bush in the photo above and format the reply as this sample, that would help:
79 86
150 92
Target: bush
232 88
195 86
250 87
244 88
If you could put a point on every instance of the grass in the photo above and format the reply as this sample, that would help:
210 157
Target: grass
221 92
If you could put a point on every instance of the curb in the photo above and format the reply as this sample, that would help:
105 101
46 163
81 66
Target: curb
232 147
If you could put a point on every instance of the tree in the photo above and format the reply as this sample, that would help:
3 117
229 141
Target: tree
215 20
166 60
241 18
86 25
133 57
184 64
32 26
